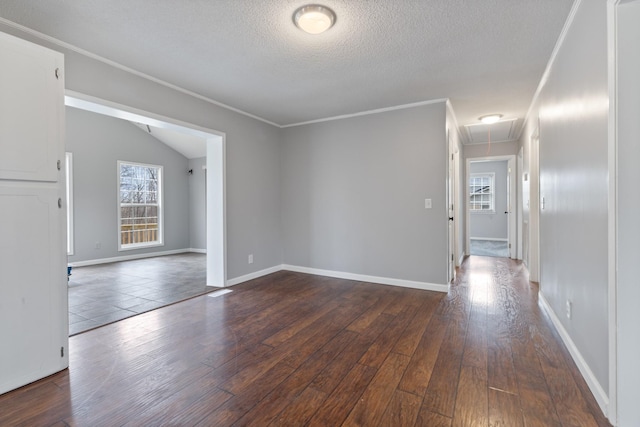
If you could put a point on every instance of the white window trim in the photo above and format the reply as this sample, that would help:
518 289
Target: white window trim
68 157
492 176
160 241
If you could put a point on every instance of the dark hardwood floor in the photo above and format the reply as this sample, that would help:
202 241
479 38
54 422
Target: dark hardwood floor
291 349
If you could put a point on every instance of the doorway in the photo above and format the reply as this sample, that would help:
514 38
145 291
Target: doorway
213 222
491 222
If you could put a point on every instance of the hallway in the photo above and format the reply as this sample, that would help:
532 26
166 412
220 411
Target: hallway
297 349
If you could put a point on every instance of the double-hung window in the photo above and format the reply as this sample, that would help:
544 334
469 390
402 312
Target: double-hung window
481 192
139 205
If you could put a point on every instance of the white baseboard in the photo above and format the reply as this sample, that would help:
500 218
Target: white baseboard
198 251
461 259
254 275
126 257
492 239
371 279
590 378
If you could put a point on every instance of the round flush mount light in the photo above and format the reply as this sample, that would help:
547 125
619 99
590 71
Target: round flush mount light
490 119
314 19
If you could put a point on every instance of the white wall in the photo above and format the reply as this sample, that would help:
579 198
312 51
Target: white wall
97 143
573 122
493 225
353 195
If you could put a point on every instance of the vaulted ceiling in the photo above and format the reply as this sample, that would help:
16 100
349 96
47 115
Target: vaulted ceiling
486 56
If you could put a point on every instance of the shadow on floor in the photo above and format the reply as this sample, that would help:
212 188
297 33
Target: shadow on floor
105 293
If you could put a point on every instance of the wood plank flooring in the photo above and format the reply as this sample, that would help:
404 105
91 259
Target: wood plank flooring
291 349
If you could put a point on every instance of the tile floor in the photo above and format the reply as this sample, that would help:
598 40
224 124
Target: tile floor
105 293
489 248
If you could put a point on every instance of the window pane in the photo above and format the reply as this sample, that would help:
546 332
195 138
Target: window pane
481 192
139 195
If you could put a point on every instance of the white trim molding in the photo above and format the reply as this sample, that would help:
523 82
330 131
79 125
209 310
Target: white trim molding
598 392
340 275
371 279
492 239
126 258
254 275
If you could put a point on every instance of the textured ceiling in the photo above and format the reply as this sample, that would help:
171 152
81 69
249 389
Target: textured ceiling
486 56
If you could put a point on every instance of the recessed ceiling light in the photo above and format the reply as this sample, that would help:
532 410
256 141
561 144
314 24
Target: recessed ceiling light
490 119
314 19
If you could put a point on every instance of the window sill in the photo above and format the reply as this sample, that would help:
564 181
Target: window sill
483 212
139 246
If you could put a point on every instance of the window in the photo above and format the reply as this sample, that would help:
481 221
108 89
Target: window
481 189
140 205
68 170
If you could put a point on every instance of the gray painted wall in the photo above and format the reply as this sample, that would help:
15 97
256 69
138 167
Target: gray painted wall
353 195
197 204
252 151
97 143
491 225
573 115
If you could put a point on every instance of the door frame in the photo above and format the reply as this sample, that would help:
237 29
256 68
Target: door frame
452 234
512 198
216 183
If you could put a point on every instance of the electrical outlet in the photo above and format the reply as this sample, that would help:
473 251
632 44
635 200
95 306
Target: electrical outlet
250 259
569 309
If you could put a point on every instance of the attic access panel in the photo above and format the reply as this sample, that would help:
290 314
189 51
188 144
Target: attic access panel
501 131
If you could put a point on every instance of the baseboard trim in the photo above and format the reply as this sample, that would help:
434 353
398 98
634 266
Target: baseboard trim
372 279
198 251
254 275
491 239
587 374
461 259
126 258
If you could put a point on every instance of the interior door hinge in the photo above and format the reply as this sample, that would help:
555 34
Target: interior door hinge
60 202
59 165
61 351
57 73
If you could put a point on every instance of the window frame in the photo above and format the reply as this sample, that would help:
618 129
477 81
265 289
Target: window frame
160 207
492 192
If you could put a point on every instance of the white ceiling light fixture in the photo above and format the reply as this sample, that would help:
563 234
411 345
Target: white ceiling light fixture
314 18
490 119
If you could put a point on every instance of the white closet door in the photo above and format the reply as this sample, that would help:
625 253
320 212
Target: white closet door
33 317
31 110
33 283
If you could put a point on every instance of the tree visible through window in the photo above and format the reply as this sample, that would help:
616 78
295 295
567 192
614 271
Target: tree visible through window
481 189
140 205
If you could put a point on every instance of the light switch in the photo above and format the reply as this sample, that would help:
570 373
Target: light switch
427 203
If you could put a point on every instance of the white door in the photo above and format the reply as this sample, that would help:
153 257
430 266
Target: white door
33 283
451 219
511 206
